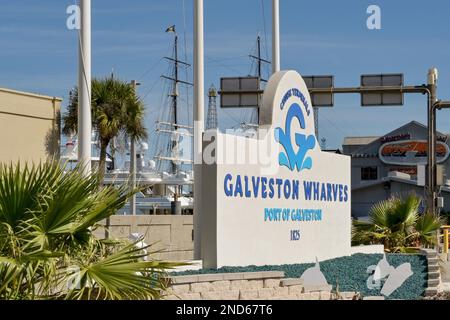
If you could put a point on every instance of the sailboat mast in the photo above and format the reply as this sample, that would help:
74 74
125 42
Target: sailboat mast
175 93
171 127
259 56
175 101
259 73
259 61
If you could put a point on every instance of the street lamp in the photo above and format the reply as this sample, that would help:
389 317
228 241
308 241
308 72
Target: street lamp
439 105
388 89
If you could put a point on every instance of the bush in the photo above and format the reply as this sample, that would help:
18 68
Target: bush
48 250
397 225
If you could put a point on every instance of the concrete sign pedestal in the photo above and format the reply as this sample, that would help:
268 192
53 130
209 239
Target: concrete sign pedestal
275 198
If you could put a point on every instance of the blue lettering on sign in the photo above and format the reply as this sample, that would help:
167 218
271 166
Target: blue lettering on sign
289 189
295 235
238 188
306 215
323 195
255 183
279 183
264 187
271 189
296 93
295 185
247 190
227 186
286 97
272 214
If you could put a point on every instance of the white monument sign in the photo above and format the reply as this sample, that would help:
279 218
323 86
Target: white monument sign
274 198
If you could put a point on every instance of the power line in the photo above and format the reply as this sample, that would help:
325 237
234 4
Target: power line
150 69
151 89
337 128
232 117
226 59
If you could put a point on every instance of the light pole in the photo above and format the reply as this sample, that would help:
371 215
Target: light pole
275 36
199 107
133 84
84 88
433 104
439 105
431 117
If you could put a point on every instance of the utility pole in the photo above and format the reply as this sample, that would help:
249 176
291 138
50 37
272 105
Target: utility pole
431 179
199 110
134 84
84 85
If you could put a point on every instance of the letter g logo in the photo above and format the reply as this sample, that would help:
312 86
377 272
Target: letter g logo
289 158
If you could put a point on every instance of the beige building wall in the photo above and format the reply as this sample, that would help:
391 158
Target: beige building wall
171 236
29 126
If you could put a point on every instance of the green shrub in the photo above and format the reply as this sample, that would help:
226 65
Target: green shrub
47 246
397 225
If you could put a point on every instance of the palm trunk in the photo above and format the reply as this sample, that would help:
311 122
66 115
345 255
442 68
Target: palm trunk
102 163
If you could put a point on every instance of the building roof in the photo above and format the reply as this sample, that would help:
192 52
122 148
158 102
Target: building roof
365 140
391 178
337 151
357 141
369 145
29 94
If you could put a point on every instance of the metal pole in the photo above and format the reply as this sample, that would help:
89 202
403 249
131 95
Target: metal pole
259 75
199 106
134 84
275 36
445 239
84 88
431 180
375 89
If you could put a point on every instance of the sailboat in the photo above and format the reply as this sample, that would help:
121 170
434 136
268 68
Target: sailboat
168 177
69 154
249 117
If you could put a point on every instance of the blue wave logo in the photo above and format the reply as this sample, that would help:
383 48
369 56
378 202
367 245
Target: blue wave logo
289 158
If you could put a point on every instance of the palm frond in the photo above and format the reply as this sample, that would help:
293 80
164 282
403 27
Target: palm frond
397 225
47 219
122 275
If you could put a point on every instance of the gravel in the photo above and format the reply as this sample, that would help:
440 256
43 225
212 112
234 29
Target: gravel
349 273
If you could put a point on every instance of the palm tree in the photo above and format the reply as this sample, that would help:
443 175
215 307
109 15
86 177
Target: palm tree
115 108
47 246
397 224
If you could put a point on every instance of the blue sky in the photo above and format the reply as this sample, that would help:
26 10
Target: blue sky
39 54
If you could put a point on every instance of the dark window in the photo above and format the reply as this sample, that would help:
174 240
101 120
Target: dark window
369 173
